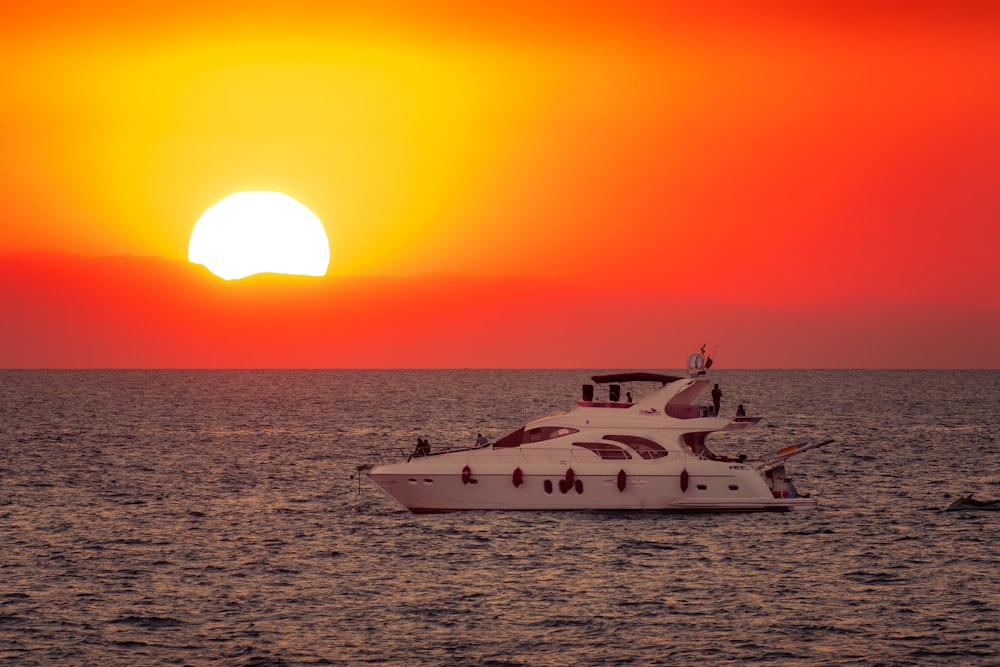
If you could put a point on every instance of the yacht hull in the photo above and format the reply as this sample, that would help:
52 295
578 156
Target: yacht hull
464 483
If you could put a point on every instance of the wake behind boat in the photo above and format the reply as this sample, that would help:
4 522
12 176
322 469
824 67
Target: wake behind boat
646 452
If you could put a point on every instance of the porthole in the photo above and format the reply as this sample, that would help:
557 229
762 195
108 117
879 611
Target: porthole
579 486
548 486
733 487
701 487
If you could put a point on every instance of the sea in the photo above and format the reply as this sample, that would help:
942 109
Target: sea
180 517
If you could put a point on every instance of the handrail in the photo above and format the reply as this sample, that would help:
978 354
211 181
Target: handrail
571 456
520 455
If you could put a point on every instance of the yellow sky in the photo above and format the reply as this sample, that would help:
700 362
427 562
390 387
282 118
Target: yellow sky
533 139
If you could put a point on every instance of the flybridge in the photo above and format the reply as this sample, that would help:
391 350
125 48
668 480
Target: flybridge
635 377
614 383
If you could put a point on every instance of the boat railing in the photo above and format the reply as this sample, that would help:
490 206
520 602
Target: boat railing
570 457
388 453
517 456
603 404
394 453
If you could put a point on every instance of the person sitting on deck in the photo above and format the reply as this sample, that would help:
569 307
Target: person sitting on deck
423 448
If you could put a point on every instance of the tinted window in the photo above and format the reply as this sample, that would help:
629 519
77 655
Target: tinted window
604 450
512 440
644 447
538 434
546 433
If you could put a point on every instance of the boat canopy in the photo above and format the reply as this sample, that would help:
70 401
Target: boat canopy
635 377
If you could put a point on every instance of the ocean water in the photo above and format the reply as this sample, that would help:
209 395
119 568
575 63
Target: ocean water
211 518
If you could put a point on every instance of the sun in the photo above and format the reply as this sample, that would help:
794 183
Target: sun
259 232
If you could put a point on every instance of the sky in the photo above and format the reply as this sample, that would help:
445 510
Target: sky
781 161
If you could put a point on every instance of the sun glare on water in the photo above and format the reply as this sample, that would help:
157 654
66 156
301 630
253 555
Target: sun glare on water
259 232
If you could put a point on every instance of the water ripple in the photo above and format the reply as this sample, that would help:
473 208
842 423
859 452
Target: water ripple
176 517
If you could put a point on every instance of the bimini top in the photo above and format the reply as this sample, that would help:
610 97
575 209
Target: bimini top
635 377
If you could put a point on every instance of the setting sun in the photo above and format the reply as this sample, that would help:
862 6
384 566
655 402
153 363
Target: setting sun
259 232
811 184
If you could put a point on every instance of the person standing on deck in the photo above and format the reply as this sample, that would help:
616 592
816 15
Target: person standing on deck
716 399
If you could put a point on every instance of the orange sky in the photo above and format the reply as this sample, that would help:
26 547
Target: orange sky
766 154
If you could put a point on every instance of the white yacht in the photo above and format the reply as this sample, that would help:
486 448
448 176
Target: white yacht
645 452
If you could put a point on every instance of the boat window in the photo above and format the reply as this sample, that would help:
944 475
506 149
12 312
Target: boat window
644 447
523 436
546 433
696 441
682 411
512 440
605 450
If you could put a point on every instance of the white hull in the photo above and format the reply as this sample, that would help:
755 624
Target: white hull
435 484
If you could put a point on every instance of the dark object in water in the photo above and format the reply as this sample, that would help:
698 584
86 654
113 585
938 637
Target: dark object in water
970 503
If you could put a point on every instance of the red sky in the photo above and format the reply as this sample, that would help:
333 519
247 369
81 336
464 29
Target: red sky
823 174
